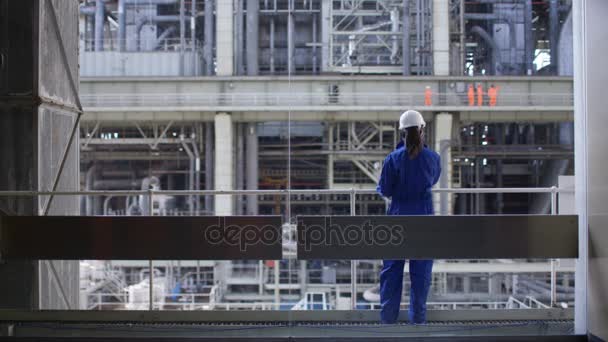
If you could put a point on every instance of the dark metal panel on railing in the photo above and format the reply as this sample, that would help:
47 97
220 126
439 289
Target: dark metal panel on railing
140 237
437 237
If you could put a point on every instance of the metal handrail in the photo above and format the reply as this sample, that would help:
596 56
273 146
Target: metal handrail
318 99
352 191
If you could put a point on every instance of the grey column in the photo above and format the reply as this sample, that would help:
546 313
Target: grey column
528 37
99 21
122 25
240 166
272 45
553 32
315 62
208 47
209 166
405 44
326 30
182 35
253 11
252 167
194 66
238 28
291 67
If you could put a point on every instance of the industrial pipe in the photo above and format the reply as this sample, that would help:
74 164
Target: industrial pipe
100 10
152 19
252 47
163 36
291 65
182 36
238 36
394 39
87 10
481 16
148 183
209 165
190 172
193 37
122 25
252 167
88 186
491 43
209 32
553 32
197 172
528 37
405 39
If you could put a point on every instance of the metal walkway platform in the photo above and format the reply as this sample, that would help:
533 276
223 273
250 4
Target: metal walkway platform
459 325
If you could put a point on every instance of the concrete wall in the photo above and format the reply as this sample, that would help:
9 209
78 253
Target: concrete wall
591 124
35 122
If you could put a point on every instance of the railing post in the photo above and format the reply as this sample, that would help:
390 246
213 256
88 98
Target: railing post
353 263
151 291
553 261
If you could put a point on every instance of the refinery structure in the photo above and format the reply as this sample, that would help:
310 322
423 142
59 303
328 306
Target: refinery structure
305 95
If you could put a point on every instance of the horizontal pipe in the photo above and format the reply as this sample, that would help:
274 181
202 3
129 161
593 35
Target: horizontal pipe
279 192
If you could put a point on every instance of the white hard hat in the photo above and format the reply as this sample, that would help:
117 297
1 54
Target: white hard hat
411 118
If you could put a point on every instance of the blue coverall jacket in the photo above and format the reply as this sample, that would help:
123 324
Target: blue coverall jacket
408 183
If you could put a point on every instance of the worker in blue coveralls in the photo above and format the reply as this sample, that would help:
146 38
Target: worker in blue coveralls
408 174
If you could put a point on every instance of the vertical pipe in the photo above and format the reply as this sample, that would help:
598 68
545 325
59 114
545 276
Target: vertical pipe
182 35
462 39
198 273
290 40
151 284
150 264
272 45
330 157
326 35
553 32
99 23
193 38
122 25
528 37
353 263
405 42
253 24
260 277
277 293
190 172
252 167
443 180
314 44
499 165
239 37
418 35
209 166
240 164
553 261
197 174
208 48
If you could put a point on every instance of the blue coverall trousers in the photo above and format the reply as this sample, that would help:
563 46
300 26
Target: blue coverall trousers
391 286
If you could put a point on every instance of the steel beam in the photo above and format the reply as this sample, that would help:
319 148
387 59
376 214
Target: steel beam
140 238
322 316
437 237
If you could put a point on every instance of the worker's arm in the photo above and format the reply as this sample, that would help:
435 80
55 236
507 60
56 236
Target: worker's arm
437 171
387 178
